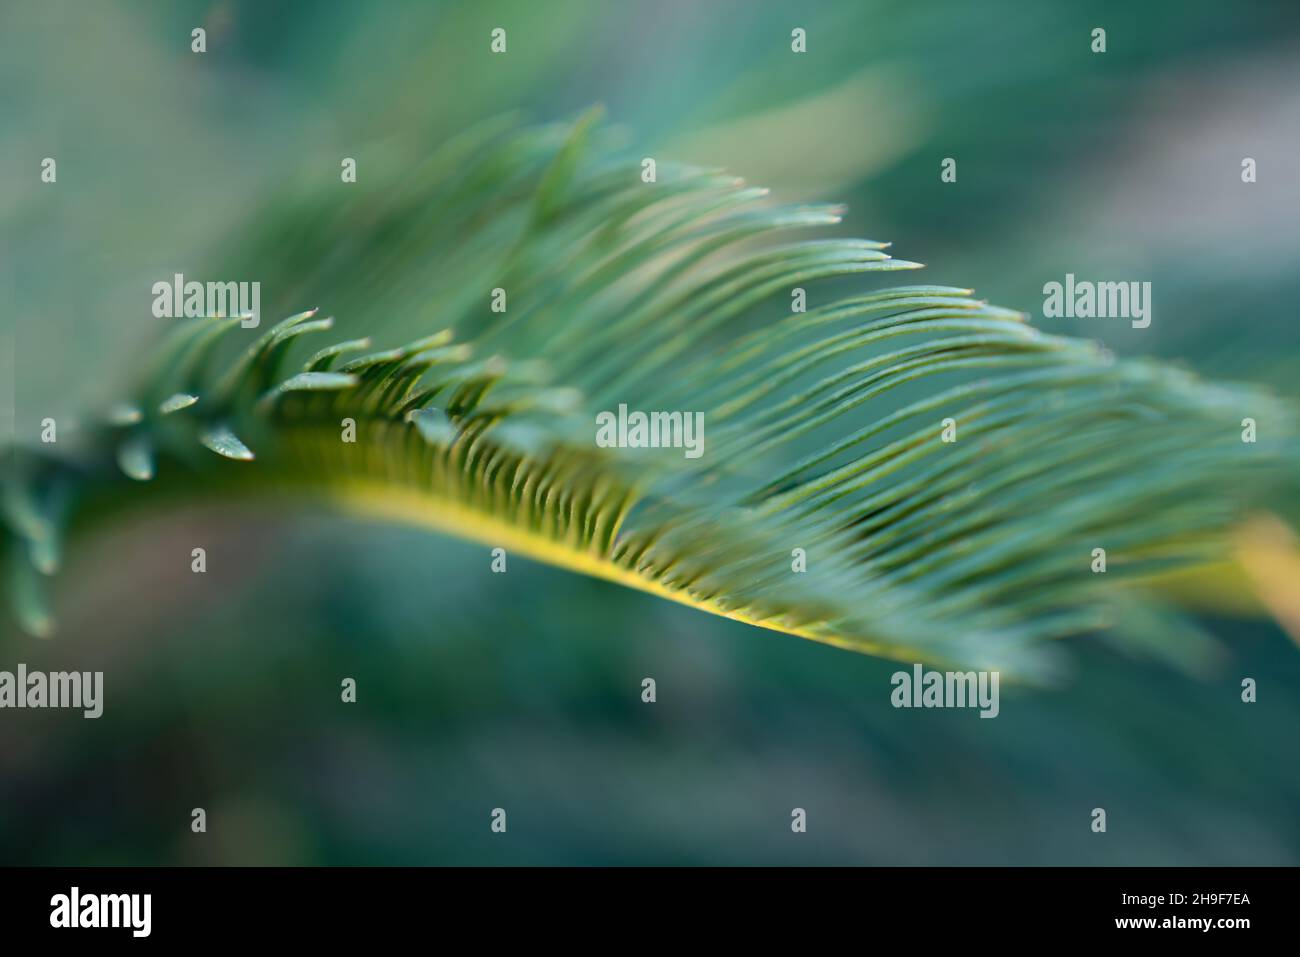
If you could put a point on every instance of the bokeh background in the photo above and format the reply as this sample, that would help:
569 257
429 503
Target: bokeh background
522 690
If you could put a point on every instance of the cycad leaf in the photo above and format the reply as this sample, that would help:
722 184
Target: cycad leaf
826 433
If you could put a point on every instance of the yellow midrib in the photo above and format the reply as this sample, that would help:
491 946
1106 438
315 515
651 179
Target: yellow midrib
409 507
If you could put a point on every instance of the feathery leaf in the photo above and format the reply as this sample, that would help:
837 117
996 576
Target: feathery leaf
825 429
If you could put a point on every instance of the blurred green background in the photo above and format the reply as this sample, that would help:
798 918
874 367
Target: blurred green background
522 690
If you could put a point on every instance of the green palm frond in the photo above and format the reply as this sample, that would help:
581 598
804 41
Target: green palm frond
823 429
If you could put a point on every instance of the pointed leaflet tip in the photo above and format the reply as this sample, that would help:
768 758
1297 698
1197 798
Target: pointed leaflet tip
298 317
23 510
45 553
181 400
124 413
27 592
135 458
225 443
